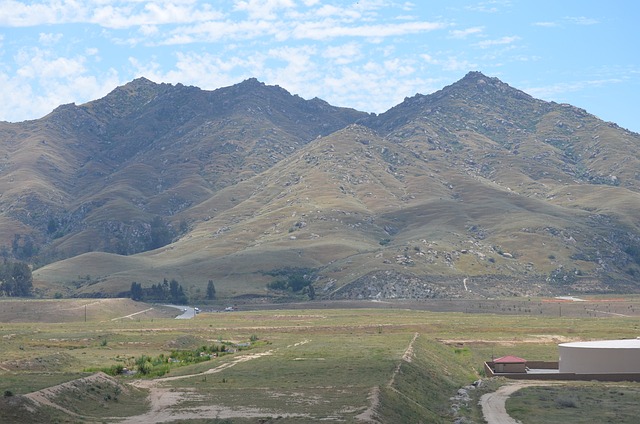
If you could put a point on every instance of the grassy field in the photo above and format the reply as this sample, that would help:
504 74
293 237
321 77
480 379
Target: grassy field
576 403
387 364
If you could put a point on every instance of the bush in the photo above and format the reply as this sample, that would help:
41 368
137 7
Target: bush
565 402
8 393
115 370
292 279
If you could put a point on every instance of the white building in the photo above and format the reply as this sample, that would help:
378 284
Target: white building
600 357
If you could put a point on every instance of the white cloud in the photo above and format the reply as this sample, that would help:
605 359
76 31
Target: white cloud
399 67
408 6
15 13
42 81
491 6
149 30
558 89
263 9
331 10
215 31
121 14
49 38
429 59
41 64
546 24
204 70
343 54
581 20
464 33
382 86
449 63
324 30
497 42
454 64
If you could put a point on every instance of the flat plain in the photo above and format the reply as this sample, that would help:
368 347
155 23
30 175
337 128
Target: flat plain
336 362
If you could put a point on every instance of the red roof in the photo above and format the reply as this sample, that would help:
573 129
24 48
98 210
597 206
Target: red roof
510 359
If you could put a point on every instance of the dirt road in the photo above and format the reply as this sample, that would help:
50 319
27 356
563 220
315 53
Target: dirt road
493 404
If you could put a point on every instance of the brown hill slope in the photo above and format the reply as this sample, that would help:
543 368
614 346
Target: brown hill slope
478 189
110 175
373 219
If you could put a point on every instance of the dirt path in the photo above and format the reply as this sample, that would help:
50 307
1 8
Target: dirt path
374 395
244 358
493 404
132 315
163 400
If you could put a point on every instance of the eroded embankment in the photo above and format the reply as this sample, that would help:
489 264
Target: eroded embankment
420 387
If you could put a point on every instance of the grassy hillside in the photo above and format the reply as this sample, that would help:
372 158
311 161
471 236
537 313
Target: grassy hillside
355 207
336 365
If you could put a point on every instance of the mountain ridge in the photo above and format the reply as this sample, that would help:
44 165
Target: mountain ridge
478 181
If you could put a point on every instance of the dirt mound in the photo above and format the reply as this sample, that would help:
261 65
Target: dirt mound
97 394
21 409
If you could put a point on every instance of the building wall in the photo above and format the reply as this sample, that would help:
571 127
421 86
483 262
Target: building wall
585 360
521 367
488 368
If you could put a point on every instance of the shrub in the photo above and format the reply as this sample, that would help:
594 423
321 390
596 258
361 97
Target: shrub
565 402
115 370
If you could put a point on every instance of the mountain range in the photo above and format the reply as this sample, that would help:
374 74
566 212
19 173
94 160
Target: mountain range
478 189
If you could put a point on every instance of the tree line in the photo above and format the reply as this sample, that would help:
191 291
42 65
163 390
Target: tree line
167 291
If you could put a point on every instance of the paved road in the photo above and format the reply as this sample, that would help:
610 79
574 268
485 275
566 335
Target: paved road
187 311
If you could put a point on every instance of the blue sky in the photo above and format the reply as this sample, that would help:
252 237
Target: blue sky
367 54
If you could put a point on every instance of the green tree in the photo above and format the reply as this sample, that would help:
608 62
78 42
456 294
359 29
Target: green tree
16 279
177 293
211 290
136 291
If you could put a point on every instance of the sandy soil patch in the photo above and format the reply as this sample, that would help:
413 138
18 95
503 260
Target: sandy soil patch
538 338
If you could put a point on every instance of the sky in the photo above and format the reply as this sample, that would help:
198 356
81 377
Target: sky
368 54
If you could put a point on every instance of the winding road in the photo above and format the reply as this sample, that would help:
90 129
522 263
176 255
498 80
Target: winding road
493 404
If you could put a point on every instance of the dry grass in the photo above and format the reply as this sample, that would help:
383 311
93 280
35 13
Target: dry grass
313 364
